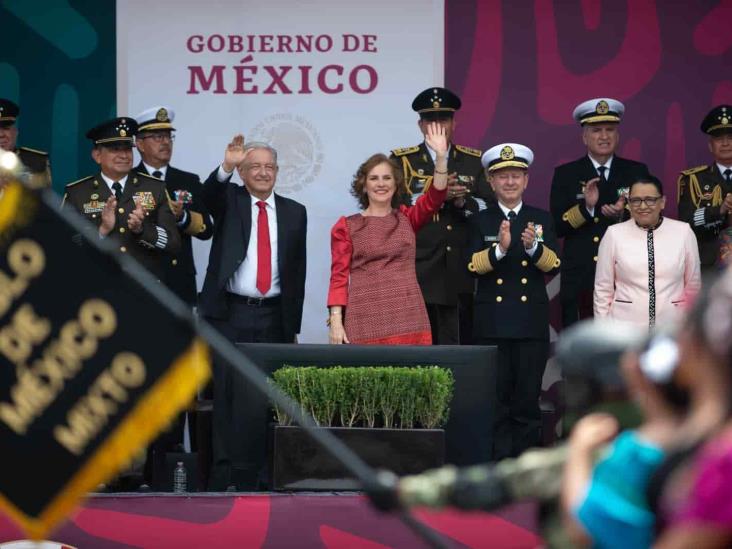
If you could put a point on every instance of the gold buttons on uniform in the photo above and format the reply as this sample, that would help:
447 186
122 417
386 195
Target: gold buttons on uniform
523 298
448 248
499 298
524 263
596 239
122 249
122 229
524 281
594 259
449 227
597 220
499 281
174 262
121 210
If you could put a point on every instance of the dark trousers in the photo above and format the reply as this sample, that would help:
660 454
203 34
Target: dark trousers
576 306
452 324
239 424
521 364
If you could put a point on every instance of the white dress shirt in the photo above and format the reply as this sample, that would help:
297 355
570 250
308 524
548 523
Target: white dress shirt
110 182
163 169
596 165
244 280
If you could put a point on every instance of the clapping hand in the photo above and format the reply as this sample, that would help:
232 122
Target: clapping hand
504 236
108 216
136 217
436 139
528 236
235 153
592 193
176 207
726 207
614 210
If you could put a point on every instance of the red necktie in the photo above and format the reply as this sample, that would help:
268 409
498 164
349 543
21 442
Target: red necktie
264 251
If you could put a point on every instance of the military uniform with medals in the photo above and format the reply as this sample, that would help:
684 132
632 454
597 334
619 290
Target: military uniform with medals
446 287
582 231
512 305
159 237
180 271
701 192
36 163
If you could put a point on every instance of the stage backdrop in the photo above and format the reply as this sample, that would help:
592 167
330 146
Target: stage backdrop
326 82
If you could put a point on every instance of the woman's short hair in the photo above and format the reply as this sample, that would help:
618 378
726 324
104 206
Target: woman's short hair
648 179
358 185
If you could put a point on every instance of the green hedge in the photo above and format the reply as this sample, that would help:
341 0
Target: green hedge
391 397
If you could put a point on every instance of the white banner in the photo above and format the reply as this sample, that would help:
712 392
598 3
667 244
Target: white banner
326 82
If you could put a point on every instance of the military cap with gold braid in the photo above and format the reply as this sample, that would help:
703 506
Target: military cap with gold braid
117 131
507 155
8 113
718 121
155 118
598 111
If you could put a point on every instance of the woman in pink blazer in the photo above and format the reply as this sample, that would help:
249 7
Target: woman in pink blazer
648 265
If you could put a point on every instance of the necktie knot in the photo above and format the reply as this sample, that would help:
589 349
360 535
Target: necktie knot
117 190
601 170
511 215
262 205
158 174
728 174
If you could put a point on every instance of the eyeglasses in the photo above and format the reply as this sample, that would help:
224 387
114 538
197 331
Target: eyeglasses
269 168
158 137
649 201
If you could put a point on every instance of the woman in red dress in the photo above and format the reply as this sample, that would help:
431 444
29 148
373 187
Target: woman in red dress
374 297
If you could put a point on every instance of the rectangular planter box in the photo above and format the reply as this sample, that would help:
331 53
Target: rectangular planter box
298 463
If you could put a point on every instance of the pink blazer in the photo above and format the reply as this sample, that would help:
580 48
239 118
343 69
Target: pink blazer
621 279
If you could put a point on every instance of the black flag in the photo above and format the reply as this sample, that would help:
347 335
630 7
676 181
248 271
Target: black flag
96 357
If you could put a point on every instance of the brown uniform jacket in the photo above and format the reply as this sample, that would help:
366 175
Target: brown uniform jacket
159 237
701 193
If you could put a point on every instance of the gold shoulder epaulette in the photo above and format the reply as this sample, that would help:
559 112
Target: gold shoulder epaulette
79 181
143 174
691 171
33 150
468 150
405 150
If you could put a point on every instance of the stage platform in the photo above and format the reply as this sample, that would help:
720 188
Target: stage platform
275 520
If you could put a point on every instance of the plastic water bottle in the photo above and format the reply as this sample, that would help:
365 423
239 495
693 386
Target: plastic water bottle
180 479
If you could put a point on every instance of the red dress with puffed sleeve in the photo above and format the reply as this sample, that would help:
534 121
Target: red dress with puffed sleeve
373 274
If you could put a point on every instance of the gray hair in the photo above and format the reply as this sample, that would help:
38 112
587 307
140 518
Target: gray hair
262 145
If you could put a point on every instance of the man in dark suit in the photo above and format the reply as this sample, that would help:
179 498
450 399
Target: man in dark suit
705 192
125 205
154 142
446 287
35 162
512 247
587 196
253 292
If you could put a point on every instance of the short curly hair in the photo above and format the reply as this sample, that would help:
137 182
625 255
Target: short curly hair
358 185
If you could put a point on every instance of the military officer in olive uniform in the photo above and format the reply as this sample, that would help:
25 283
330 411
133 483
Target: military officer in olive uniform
446 287
705 192
129 206
36 162
512 247
587 196
154 142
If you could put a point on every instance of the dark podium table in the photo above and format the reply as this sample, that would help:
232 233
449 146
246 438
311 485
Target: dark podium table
468 432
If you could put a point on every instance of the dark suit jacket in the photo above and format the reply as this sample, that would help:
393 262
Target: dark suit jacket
511 300
441 242
579 255
701 191
180 271
230 205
